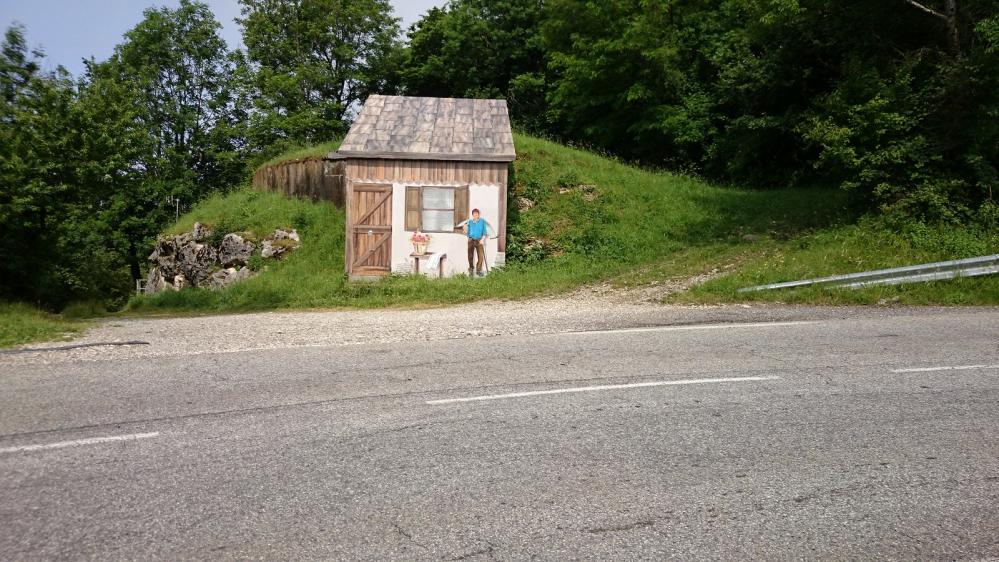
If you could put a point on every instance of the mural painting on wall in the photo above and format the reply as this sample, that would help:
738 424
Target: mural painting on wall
479 231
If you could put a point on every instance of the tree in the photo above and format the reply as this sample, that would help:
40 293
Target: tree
168 94
36 192
907 123
117 164
181 69
86 167
948 17
312 61
891 99
479 48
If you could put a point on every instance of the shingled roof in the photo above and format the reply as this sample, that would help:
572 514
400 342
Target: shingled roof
418 128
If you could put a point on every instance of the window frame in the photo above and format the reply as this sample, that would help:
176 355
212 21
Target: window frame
459 195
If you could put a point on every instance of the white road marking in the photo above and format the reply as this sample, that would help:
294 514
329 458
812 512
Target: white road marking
696 327
953 368
78 442
598 388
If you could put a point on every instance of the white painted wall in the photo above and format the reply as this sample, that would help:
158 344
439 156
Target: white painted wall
484 197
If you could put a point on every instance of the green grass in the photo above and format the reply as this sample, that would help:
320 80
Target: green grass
592 219
870 244
20 323
303 152
313 276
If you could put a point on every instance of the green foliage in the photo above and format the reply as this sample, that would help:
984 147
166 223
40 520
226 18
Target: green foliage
20 323
224 225
596 219
897 105
56 245
84 309
874 96
301 220
179 69
309 61
988 216
589 206
871 244
248 211
86 168
481 49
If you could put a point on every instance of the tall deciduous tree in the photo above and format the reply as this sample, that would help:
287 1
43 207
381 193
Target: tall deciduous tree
312 61
86 167
171 79
889 98
36 183
480 48
181 69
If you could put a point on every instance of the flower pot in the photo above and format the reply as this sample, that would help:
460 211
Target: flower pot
420 248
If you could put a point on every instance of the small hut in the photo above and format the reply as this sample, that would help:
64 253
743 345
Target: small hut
422 164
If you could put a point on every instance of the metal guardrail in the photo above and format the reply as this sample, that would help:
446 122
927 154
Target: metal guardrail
970 267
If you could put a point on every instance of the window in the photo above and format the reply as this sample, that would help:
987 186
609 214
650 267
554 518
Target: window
435 209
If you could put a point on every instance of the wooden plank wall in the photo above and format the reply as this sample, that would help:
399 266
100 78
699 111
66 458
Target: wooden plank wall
313 178
437 172
434 172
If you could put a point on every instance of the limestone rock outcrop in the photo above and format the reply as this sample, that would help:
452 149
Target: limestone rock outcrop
192 259
278 243
196 262
155 282
225 277
235 250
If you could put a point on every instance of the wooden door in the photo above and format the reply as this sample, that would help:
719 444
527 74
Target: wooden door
369 230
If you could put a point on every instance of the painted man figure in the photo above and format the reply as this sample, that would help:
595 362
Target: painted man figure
477 233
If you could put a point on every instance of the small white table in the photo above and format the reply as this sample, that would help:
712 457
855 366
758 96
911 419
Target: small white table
427 256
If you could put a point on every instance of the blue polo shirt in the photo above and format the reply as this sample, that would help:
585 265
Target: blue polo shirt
476 228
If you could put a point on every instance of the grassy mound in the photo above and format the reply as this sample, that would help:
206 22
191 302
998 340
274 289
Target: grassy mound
20 323
870 244
577 217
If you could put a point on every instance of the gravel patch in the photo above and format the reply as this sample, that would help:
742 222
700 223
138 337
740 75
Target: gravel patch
592 308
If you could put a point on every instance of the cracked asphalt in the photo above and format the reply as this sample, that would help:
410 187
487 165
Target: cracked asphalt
659 433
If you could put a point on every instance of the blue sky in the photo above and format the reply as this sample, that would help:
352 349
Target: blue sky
72 30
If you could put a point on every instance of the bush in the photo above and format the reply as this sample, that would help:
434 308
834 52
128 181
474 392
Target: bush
85 309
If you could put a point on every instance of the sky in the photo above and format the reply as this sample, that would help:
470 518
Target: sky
72 30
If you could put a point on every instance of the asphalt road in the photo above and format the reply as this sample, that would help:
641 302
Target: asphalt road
866 438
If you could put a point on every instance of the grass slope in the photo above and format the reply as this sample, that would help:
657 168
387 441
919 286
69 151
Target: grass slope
20 323
587 218
870 244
